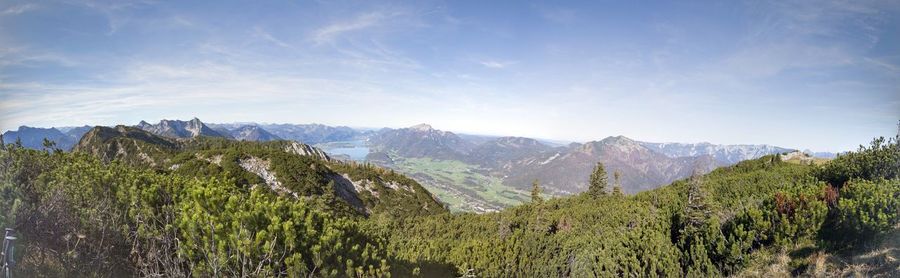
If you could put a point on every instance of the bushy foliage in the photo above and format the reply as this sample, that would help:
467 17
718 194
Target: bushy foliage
867 209
879 160
81 217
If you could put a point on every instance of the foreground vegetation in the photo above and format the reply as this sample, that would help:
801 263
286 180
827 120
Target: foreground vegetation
78 215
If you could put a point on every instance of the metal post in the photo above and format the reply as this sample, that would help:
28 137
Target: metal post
7 254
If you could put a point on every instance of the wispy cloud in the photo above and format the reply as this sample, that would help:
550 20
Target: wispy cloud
496 64
29 57
19 9
263 34
332 31
116 12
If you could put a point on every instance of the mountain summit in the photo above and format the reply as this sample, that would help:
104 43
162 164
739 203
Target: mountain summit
421 141
252 133
180 129
421 127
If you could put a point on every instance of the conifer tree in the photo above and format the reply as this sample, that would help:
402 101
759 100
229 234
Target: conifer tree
617 186
598 181
697 210
536 192
48 144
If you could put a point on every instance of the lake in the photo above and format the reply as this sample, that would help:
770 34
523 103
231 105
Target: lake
357 150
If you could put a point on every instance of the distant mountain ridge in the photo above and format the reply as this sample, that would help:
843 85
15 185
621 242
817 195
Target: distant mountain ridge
33 137
517 161
180 129
726 154
421 141
312 133
252 133
566 170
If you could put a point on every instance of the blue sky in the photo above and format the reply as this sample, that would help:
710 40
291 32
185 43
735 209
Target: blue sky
821 75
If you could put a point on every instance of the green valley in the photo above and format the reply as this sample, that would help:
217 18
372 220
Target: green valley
479 192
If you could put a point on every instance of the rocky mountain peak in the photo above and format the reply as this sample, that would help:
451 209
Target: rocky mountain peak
512 141
618 140
421 127
180 129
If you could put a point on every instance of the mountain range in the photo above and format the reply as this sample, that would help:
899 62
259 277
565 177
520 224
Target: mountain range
246 133
313 133
33 137
565 171
469 172
725 154
420 141
180 129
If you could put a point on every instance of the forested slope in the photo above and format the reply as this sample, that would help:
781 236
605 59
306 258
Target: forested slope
79 214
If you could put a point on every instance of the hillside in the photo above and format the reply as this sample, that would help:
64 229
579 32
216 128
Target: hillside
758 218
494 153
467 172
285 167
129 145
278 207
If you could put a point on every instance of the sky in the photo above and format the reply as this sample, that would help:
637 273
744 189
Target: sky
820 75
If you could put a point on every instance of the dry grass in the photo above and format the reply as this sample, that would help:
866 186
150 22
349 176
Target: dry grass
881 259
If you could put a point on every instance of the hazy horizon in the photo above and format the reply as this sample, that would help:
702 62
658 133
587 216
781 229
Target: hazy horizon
823 76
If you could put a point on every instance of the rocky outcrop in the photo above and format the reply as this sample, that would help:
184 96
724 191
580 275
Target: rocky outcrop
260 167
306 150
349 190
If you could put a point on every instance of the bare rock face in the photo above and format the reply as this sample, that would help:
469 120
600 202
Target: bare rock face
349 190
261 168
306 150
